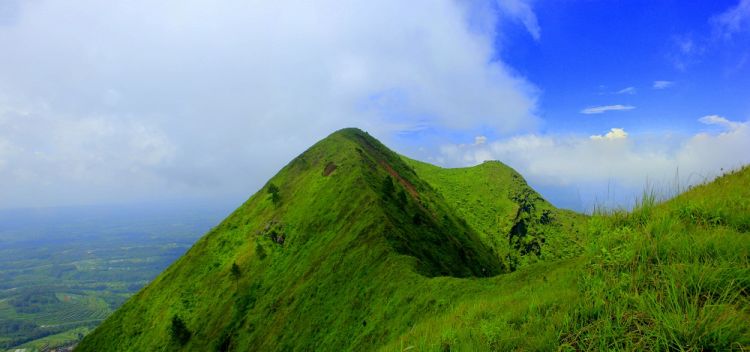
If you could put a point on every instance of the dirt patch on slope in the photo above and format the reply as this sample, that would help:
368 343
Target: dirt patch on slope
409 187
330 167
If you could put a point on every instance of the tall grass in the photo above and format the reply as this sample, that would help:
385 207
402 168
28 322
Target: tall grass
669 275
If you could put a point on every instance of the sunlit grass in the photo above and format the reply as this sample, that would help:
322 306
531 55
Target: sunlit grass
671 275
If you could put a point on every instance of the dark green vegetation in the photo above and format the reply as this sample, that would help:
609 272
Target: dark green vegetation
64 270
353 247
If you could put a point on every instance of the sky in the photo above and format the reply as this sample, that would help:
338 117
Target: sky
592 101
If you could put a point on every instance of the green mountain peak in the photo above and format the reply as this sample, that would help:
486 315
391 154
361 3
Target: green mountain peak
354 247
340 217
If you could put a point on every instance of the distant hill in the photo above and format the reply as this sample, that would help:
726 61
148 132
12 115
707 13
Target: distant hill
354 247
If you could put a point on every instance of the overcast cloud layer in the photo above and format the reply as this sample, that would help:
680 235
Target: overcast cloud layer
123 100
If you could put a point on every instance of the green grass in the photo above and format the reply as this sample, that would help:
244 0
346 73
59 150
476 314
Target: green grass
659 278
57 340
493 199
456 259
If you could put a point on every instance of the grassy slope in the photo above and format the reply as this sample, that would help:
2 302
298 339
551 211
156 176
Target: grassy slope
671 276
356 272
494 199
353 259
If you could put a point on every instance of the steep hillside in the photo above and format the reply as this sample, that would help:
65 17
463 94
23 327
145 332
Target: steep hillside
509 216
352 247
342 224
670 276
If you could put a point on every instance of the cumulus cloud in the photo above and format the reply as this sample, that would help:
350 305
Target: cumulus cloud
590 168
662 84
614 133
201 97
720 121
605 108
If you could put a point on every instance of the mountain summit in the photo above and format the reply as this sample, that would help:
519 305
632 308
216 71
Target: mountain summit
325 245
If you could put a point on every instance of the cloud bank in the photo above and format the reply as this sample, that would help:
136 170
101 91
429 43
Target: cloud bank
120 100
583 172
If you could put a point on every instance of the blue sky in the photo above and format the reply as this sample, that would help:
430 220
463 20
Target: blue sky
135 101
590 50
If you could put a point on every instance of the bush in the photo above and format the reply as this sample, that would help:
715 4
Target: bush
273 191
179 331
388 187
259 251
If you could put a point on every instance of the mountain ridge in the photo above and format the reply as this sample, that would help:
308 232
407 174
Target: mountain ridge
354 247
342 185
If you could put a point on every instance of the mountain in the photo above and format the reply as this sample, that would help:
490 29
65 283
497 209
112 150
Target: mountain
354 247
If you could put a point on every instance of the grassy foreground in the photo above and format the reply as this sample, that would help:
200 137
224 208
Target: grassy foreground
671 276
352 247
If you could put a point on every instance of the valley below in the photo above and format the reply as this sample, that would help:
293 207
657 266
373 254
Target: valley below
64 270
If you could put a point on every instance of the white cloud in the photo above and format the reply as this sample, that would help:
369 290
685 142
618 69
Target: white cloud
73 155
662 84
190 97
51 159
720 121
605 108
627 90
614 133
595 167
521 10
734 20
480 140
